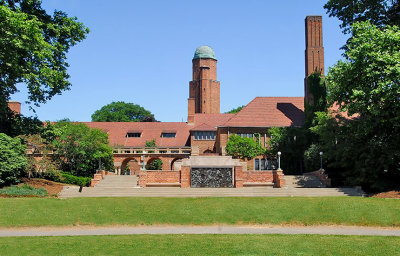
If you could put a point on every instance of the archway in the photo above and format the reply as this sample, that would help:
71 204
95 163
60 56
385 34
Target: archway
154 163
176 164
130 166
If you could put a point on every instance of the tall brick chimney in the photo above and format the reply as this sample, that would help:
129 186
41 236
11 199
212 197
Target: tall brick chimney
314 55
15 106
204 90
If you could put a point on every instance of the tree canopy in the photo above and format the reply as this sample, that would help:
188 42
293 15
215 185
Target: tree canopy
244 147
364 150
379 12
235 110
33 49
122 112
81 149
12 160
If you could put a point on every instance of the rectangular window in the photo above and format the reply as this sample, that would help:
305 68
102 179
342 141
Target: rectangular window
168 135
245 135
256 164
133 135
263 166
204 135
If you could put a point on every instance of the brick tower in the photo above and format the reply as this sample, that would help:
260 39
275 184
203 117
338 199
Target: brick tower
314 50
204 89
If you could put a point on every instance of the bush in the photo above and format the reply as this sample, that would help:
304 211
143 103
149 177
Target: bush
82 149
155 165
12 160
24 190
71 179
239 147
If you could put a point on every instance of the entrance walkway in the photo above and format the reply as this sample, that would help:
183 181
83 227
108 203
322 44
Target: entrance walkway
72 191
90 231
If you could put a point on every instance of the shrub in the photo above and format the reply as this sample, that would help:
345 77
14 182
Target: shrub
24 190
243 147
82 149
12 160
155 165
71 179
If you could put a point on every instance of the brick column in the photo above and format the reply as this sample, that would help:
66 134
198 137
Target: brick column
239 176
142 179
279 179
185 177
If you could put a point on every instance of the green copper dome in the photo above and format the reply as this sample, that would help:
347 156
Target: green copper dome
204 52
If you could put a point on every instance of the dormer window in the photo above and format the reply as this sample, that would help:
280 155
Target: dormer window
168 134
133 134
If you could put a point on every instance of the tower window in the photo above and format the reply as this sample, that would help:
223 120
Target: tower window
133 135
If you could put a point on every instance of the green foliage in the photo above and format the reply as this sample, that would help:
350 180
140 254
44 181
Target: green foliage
151 143
13 124
243 148
71 179
33 49
24 190
122 112
81 148
316 87
155 165
378 12
312 158
366 83
235 110
291 142
44 167
12 160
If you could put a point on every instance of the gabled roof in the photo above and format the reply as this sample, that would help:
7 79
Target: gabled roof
270 112
213 120
149 130
204 127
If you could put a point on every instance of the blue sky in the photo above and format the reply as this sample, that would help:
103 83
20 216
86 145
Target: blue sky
141 52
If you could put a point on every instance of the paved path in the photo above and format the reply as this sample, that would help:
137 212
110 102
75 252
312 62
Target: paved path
72 191
123 230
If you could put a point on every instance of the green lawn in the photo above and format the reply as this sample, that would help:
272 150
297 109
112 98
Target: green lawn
16 212
201 245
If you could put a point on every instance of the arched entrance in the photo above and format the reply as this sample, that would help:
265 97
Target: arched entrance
154 163
176 164
130 166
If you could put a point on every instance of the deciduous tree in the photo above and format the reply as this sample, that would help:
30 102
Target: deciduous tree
122 112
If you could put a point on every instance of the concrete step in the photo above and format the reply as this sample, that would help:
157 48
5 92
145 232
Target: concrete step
207 192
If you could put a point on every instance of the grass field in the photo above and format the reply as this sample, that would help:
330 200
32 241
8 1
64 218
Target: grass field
202 245
17 212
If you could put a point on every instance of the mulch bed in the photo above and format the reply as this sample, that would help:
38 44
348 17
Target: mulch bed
52 188
390 194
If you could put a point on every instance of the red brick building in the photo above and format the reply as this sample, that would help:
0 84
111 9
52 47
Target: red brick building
198 145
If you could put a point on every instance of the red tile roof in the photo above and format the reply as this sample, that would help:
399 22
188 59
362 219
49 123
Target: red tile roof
149 130
213 120
270 112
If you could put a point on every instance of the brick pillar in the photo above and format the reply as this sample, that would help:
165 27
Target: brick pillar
314 54
185 177
239 179
142 179
279 179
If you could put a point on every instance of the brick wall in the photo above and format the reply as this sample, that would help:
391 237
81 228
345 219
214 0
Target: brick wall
162 177
205 146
